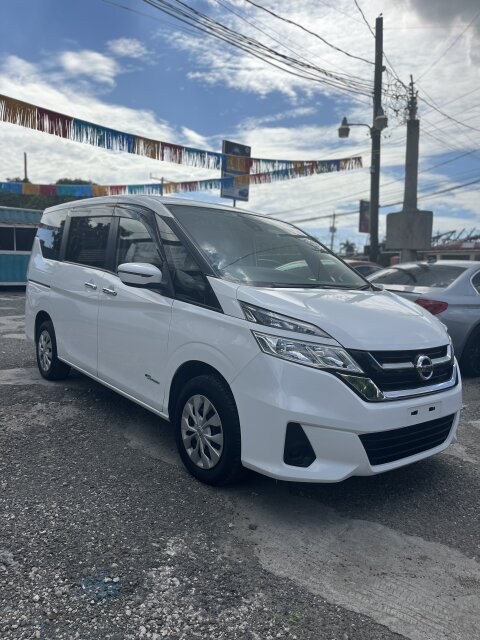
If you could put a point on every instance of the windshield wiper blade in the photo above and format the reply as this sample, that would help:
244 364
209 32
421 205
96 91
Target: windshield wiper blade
308 285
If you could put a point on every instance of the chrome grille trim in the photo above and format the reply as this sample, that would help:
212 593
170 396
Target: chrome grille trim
422 391
398 366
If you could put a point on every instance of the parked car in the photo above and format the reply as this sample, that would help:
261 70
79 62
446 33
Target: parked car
364 267
450 289
262 348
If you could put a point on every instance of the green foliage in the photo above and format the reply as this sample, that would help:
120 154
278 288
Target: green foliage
348 248
38 201
73 181
32 202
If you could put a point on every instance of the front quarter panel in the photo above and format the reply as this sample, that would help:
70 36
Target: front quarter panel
204 335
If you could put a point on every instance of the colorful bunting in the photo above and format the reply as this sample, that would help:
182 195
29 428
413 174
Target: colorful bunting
87 190
27 115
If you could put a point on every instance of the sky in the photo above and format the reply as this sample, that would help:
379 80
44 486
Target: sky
124 64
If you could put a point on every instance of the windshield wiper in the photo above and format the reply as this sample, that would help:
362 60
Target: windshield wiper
310 285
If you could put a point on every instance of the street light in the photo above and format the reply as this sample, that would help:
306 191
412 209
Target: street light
380 122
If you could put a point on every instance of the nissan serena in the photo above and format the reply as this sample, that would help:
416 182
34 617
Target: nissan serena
260 346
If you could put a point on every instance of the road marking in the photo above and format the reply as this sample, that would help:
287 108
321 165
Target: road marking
422 590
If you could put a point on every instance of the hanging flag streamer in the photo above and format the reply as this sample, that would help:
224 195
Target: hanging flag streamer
88 191
27 115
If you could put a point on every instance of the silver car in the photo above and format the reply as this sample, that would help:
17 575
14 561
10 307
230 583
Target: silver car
450 289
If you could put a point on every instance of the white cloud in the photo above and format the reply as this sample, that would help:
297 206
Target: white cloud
410 48
92 64
127 48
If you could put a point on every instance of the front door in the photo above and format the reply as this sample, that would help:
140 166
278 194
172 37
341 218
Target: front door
133 322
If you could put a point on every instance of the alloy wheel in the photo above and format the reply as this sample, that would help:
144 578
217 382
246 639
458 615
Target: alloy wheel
202 432
45 351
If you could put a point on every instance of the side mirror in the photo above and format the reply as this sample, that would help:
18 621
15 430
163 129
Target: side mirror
139 274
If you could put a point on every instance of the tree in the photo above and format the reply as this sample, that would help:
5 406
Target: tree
73 181
348 248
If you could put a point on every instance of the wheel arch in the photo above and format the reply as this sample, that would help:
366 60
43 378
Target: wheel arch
40 318
185 372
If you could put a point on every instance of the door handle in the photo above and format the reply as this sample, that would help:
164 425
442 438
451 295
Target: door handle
90 285
111 292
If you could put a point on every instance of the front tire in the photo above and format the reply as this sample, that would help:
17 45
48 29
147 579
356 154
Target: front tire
50 367
207 430
470 361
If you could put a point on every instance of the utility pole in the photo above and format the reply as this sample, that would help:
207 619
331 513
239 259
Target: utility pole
25 173
410 230
376 138
333 231
411 163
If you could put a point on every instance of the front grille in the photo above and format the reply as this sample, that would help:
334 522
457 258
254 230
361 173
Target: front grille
387 446
392 379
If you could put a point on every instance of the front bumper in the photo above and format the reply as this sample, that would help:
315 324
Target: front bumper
270 393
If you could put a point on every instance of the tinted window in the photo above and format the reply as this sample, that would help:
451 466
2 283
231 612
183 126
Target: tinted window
135 244
476 281
419 275
24 238
365 269
7 242
188 279
50 233
87 241
259 251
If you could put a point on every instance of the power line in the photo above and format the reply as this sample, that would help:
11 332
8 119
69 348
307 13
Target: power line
445 115
205 24
437 60
237 13
437 193
316 35
364 18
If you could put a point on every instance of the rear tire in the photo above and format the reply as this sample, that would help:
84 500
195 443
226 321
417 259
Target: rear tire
207 430
50 367
470 360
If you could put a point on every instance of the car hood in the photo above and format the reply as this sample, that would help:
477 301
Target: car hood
366 320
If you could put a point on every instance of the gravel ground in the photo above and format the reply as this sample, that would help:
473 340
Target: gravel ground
104 535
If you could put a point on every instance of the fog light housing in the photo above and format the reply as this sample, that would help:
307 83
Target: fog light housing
298 451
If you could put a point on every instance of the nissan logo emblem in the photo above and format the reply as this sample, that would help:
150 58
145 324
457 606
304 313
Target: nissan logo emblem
424 367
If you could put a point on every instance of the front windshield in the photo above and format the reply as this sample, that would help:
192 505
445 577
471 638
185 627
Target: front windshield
259 251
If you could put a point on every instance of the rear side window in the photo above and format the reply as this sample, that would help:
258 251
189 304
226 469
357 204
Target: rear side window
420 275
476 282
50 233
7 240
87 241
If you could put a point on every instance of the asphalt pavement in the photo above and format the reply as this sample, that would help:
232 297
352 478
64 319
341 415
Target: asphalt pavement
103 535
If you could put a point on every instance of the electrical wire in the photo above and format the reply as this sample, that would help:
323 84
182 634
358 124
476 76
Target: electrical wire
368 84
437 60
196 19
364 18
316 35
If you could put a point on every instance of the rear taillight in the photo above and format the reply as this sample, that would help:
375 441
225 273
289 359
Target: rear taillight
434 306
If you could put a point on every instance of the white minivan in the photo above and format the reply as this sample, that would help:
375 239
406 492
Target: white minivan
262 348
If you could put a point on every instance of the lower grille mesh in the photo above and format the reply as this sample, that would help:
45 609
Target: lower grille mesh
388 446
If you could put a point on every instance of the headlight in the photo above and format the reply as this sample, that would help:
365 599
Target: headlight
310 354
279 321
